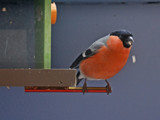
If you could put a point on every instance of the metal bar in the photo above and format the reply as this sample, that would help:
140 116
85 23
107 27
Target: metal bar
37 77
106 1
66 89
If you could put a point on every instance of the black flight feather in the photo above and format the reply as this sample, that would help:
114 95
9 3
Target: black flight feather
81 57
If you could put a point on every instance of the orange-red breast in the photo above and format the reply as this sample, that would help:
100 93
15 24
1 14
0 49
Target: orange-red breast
104 58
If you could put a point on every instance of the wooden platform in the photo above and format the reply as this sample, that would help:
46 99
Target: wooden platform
37 77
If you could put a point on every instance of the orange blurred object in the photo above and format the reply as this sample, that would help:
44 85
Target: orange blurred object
53 13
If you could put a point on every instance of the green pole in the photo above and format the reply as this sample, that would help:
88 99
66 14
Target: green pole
43 33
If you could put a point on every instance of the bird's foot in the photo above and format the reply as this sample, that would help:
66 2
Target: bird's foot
108 88
84 87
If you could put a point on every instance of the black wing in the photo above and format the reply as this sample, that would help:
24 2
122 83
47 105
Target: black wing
89 52
81 57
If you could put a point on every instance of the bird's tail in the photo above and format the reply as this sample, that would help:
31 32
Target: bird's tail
78 77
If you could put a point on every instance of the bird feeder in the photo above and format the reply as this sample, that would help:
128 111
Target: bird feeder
28 23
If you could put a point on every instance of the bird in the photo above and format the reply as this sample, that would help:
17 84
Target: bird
104 58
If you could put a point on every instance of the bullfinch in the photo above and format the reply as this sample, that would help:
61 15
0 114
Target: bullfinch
104 58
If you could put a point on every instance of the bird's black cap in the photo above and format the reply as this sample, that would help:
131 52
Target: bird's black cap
125 36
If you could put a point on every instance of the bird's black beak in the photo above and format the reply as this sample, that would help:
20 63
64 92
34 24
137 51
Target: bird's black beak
128 42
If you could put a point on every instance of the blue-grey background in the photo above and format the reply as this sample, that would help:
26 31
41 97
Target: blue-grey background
135 89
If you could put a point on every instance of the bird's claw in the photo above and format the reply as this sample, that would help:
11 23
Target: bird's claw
108 89
84 88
